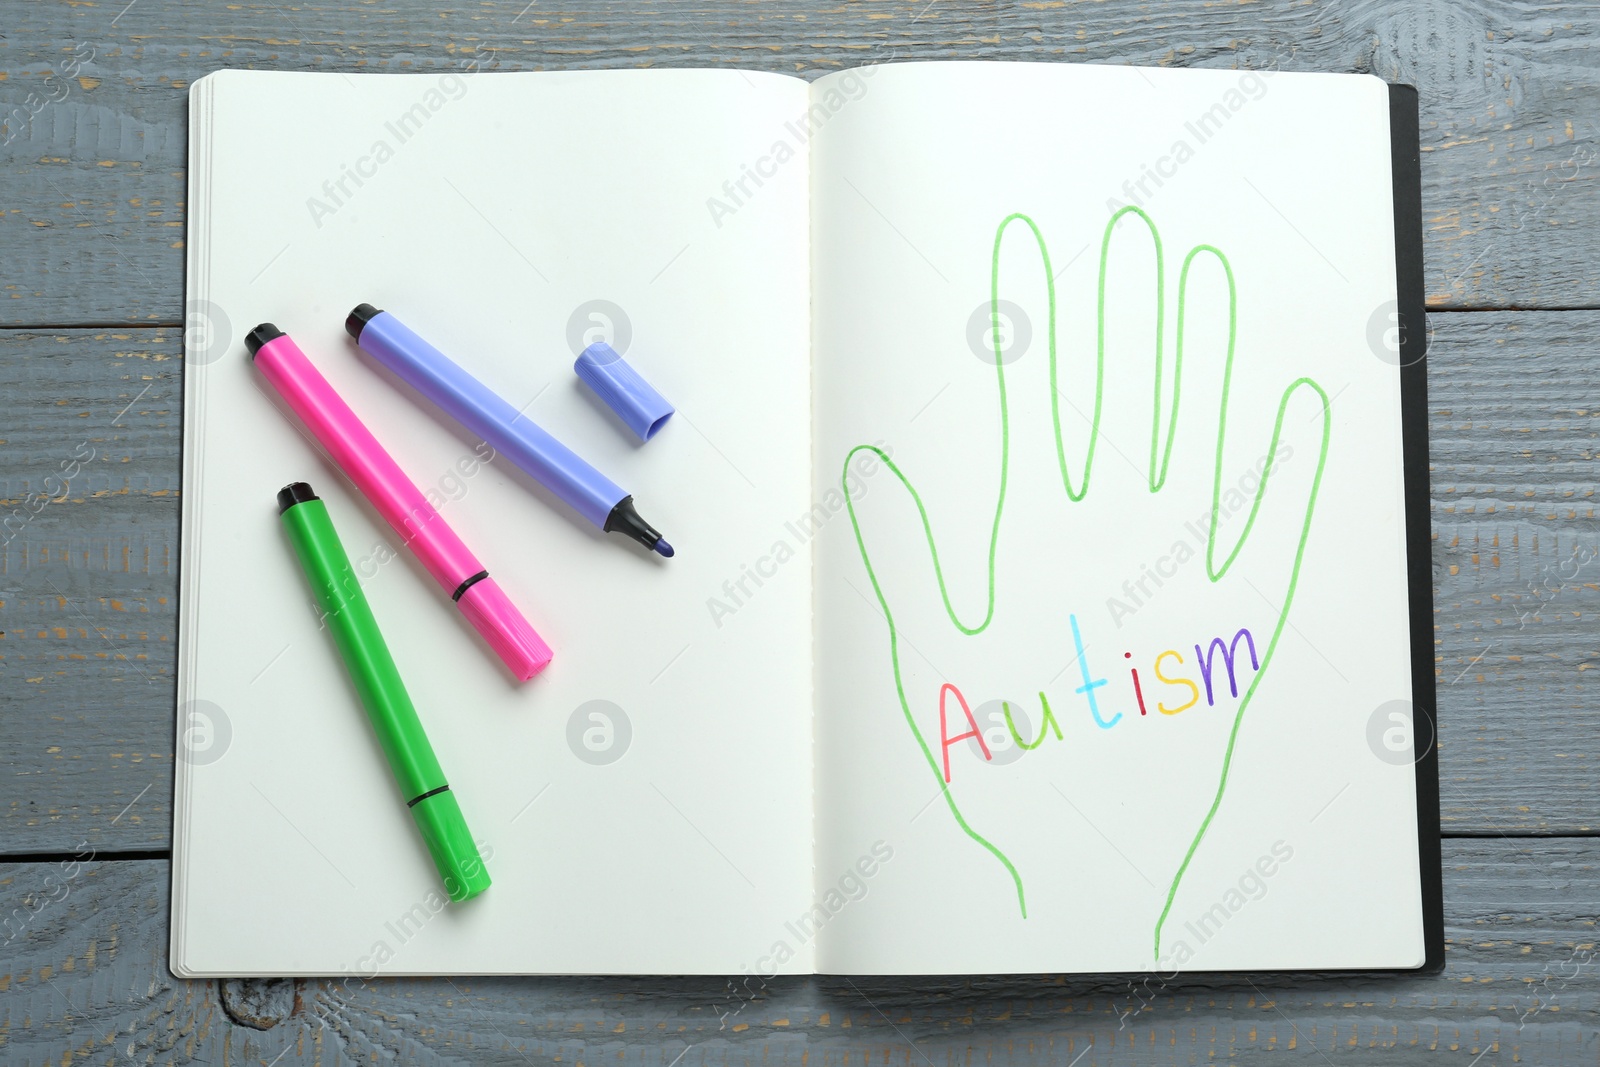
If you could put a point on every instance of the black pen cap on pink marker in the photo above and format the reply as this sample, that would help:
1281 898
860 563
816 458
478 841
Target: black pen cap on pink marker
260 336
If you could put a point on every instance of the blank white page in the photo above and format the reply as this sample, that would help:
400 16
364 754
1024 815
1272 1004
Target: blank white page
1067 856
484 211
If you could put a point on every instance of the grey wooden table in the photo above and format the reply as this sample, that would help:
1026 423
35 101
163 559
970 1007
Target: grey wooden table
92 96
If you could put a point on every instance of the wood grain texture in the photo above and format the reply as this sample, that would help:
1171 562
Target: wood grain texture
94 183
1514 435
88 585
89 467
85 980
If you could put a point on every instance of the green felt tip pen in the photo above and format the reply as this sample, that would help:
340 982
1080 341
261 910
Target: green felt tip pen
372 668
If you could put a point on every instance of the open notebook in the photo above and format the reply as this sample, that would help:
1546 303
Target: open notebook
1075 394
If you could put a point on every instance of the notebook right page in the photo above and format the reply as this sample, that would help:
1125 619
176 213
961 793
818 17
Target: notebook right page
1111 622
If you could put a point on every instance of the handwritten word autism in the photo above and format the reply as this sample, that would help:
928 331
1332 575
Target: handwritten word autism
1221 660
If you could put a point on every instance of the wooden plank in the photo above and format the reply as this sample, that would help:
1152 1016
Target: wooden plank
85 979
94 184
1517 568
88 585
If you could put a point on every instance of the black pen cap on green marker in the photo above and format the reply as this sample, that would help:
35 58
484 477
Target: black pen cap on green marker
294 493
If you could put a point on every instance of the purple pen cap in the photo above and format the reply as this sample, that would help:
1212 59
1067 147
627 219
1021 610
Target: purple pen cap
622 388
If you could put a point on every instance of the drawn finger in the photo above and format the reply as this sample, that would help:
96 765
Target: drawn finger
1267 462
907 559
1132 330
1205 302
906 564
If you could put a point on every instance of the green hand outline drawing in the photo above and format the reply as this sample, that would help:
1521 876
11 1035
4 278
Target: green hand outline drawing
1160 459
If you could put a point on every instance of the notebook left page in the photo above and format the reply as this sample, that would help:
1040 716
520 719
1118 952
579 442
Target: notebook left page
511 219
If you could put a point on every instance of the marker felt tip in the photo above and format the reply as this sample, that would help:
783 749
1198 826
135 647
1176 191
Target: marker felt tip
394 718
397 498
471 403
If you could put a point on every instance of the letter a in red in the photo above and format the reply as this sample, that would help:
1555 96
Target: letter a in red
945 740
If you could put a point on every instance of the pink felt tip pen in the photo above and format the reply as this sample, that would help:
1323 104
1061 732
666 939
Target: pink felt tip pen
420 527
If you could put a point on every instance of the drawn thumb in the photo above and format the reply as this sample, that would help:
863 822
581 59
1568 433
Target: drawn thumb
1262 518
905 564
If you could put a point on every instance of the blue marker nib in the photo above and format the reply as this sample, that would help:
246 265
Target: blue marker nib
624 519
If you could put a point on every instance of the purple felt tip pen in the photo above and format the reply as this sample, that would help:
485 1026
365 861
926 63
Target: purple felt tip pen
471 403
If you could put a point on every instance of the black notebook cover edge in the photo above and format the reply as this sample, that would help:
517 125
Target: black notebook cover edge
1405 158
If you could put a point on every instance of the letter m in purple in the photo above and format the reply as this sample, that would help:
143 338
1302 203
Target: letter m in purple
1208 657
